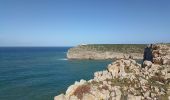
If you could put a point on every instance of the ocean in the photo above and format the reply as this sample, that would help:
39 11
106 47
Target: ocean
40 73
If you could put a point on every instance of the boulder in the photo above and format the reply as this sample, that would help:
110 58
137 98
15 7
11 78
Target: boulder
157 60
117 69
147 63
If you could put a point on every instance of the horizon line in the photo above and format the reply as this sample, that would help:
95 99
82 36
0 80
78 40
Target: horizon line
86 44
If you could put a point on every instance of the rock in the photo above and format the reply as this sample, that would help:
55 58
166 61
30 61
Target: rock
147 94
153 95
147 64
161 54
156 89
102 75
118 93
120 56
113 94
133 62
88 97
114 69
122 70
105 94
167 76
73 97
72 88
60 97
117 69
143 81
125 79
82 81
155 55
127 63
165 61
132 97
126 57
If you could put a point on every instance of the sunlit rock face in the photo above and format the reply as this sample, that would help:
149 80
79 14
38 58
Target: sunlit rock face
95 52
161 54
125 79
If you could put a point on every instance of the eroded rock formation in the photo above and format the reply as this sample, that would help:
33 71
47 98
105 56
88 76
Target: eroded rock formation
125 79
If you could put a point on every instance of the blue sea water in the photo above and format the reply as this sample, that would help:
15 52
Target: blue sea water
40 73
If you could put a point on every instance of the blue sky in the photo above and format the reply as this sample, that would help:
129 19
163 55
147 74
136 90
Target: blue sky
73 22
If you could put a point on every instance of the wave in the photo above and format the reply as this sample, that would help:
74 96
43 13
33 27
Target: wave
63 59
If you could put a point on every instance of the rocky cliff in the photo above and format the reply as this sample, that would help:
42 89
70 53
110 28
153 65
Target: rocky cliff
105 51
125 79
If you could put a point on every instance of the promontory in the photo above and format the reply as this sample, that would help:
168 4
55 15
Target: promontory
105 51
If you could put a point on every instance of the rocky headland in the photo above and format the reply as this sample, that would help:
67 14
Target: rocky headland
105 51
125 79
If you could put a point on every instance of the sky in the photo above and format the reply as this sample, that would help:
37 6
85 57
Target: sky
74 22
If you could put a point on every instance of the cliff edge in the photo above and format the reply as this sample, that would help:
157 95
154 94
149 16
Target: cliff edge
105 51
125 79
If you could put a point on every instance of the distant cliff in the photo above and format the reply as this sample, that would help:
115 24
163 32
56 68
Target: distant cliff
105 51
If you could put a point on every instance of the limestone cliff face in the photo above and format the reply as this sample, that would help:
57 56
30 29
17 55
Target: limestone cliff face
125 79
105 51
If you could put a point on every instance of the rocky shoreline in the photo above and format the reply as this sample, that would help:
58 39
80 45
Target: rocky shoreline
125 79
104 52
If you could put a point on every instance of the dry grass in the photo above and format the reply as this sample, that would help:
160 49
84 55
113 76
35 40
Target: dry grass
157 78
94 82
82 90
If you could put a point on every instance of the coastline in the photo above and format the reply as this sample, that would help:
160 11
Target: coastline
126 79
105 51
